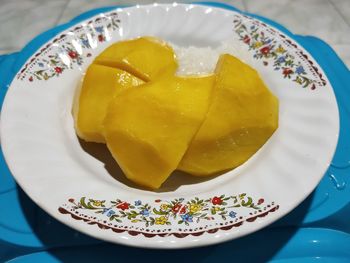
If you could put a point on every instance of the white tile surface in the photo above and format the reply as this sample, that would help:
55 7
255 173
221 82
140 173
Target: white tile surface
313 17
327 19
343 8
22 20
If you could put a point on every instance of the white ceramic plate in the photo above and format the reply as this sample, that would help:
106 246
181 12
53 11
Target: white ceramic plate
80 185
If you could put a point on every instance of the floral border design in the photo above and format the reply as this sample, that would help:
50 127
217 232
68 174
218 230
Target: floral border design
268 45
195 216
69 49
272 47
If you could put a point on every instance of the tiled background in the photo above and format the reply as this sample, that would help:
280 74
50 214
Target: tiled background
329 20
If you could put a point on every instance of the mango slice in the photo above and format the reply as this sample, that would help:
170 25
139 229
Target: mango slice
149 129
101 84
144 57
241 118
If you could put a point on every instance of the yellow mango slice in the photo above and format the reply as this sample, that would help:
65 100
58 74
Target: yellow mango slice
149 129
241 118
101 84
144 57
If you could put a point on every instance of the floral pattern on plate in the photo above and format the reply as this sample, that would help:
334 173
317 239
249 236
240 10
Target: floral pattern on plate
274 49
154 217
69 50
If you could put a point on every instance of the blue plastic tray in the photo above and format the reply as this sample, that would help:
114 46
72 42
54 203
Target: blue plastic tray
317 230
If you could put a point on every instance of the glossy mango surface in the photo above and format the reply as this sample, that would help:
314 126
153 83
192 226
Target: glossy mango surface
144 57
101 84
149 129
241 118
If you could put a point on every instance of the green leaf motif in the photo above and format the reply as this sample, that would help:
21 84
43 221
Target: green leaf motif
248 203
159 212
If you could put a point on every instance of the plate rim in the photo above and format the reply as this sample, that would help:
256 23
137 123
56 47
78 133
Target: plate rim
223 238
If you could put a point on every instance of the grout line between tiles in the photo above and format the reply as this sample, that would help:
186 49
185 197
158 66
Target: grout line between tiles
62 12
339 12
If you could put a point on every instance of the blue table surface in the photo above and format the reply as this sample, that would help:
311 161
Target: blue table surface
318 230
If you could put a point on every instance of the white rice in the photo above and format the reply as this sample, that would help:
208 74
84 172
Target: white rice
202 60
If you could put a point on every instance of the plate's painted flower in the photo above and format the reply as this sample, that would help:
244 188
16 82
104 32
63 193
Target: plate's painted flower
58 70
101 38
194 208
287 72
265 50
138 202
257 44
299 80
280 49
187 218
216 200
246 39
179 208
105 210
281 59
123 206
110 213
145 212
72 54
216 208
161 220
85 43
232 214
97 202
164 207
300 70
99 29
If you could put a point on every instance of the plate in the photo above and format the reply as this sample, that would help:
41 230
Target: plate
80 185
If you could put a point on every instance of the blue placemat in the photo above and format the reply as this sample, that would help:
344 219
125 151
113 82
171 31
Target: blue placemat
317 230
